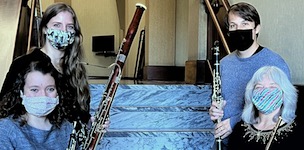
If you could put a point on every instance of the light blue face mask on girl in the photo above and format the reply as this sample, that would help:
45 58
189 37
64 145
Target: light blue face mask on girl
39 106
267 100
60 39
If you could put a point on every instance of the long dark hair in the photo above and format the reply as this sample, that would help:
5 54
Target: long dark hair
74 73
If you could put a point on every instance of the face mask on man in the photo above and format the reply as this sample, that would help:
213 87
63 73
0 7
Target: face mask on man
267 100
39 106
240 39
60 39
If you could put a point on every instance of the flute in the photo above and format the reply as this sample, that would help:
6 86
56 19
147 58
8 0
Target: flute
273 133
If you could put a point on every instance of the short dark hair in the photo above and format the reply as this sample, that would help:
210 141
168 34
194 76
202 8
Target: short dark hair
245 11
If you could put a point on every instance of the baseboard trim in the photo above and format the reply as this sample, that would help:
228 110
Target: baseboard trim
164 73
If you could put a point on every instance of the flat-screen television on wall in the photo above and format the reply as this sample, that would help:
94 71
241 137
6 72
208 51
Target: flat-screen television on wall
103 44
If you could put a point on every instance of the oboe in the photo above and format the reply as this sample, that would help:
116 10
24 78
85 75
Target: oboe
216 93
97 131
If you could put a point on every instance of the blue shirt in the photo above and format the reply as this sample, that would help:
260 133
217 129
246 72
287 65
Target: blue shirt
16 137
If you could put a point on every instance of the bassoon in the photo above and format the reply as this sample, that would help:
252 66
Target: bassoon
97 130
217 93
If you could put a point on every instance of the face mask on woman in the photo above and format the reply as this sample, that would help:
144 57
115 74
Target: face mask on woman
39 106
267 100
60 39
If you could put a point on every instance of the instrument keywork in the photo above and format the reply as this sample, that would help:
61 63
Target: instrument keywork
216 92
274 131
97 131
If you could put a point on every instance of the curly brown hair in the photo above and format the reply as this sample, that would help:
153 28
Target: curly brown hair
11 104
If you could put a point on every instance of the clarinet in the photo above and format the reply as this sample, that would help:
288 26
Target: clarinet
216 93
97 131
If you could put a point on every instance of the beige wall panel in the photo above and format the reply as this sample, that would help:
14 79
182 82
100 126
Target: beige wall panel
46 3
182 39
9 18
97 17
161 33
64 1
130 63
202 33
193 29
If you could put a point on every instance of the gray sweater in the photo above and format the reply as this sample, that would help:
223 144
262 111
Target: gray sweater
14 136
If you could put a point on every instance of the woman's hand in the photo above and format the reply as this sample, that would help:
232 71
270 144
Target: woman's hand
105 126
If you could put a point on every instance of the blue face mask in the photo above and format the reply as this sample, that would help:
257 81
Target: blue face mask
60 39
39 106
